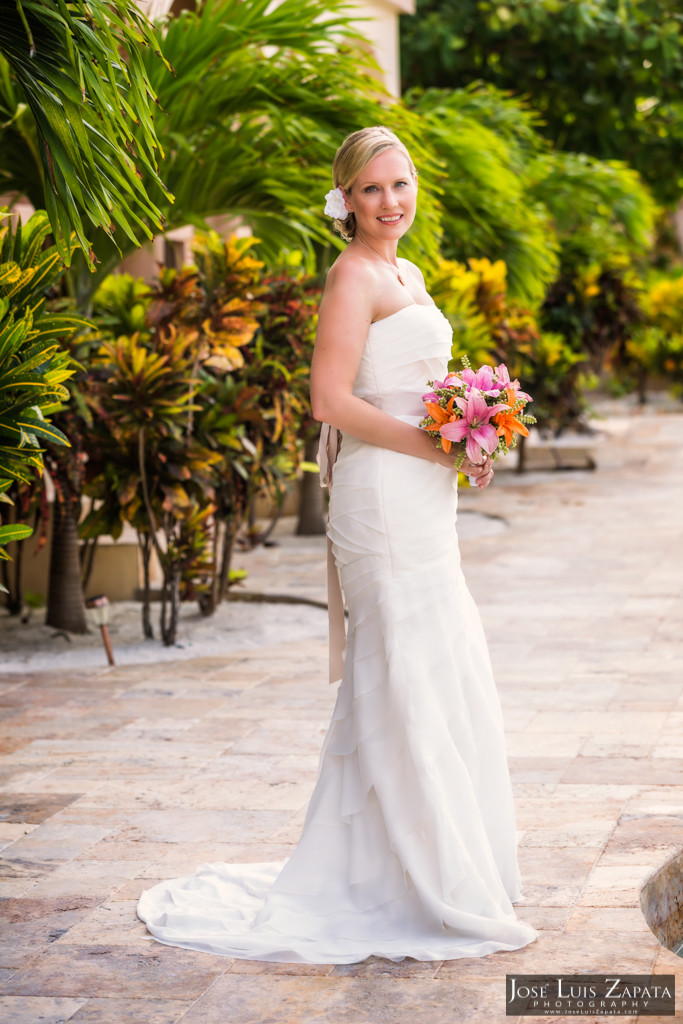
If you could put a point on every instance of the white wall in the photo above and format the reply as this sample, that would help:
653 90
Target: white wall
154 8
378 22
381 30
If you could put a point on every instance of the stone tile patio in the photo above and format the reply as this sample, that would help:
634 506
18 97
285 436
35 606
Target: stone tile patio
113 779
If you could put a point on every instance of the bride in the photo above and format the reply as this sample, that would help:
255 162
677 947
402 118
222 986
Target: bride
408 847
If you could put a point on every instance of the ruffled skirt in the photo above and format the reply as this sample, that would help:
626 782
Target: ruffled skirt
408 847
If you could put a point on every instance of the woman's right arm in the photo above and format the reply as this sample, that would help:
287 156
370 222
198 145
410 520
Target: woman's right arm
344 320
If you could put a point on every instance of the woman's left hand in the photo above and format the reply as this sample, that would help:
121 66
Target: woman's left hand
481 473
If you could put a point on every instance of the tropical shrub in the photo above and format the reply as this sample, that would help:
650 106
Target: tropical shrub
603 218
485 142
595 309
147 468
120 306
198 414
33 364
604 75
506 195
654 353
663 304
288 329
254 406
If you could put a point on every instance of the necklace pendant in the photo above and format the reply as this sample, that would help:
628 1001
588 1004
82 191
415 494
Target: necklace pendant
400 280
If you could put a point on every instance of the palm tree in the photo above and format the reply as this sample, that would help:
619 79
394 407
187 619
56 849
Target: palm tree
33 368
281 85
69 102
506 194
77 133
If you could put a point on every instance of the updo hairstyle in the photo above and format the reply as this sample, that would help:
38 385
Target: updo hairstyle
355 153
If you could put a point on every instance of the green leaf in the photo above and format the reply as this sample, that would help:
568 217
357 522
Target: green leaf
12 335
42 429
9 273
14 531
70 37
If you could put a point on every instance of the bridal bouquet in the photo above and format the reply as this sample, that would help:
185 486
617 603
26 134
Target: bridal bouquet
480 413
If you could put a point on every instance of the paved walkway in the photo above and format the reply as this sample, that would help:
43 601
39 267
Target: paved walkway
116 778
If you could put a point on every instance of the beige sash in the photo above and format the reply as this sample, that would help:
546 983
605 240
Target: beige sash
328 449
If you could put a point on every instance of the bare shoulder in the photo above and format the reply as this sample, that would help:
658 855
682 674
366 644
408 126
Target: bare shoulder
350 281
347 305
351 269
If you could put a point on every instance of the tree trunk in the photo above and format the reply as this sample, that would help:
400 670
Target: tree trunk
7 583
642 387
311 498
146 551
88 560
65 603
209 600
170 608
231 528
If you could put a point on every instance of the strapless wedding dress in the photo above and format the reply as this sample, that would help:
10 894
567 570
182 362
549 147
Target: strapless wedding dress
408 847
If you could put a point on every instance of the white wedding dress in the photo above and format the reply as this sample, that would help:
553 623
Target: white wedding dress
408 848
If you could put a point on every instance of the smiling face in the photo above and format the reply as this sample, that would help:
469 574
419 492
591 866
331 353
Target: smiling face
383 197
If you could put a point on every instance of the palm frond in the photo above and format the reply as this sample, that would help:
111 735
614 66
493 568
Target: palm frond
483 139
281 86
90 128
601 205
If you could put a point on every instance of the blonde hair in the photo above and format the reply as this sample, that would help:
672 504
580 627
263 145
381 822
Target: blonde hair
355 153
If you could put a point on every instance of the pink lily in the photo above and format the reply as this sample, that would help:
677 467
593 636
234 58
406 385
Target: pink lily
451 380
474 425
482 380
503 378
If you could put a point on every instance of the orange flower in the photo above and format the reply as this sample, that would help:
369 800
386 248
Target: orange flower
507 423
442 416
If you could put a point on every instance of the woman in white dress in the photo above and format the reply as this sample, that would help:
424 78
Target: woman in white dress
408 847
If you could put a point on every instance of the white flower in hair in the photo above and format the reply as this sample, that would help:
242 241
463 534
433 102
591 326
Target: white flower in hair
335 205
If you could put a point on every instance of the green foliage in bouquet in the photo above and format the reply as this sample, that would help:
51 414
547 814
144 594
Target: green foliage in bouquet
480 412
